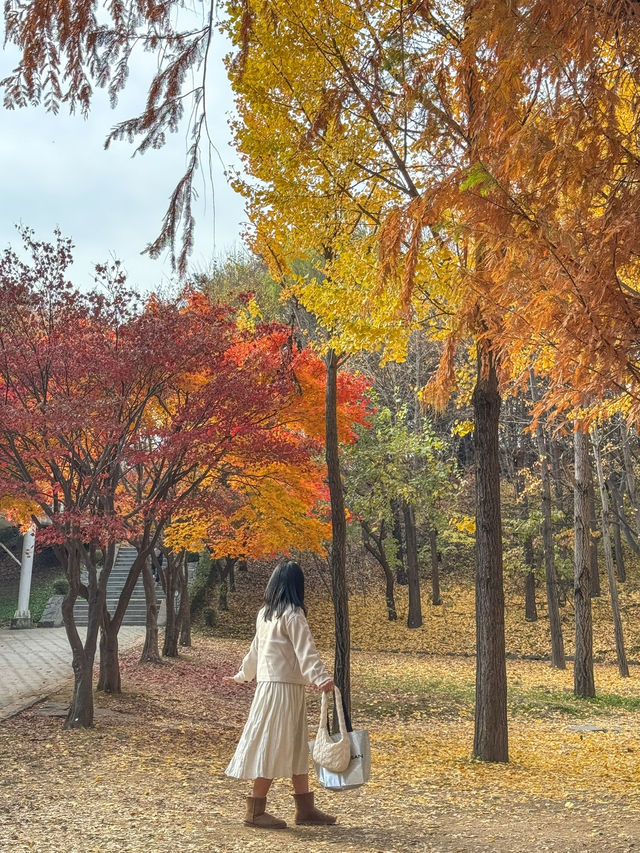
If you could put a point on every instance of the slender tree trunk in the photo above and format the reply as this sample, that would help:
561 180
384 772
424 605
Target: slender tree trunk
170 645
401 574
109 674
556 475
340 593
491 732
629 473
151 650
530 607
555 624
435 567
594 570
616 504
184 617
414 619
80 714
623 667
583 683
378 553
109 678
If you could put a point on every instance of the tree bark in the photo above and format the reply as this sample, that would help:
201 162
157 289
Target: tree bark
340 593
623 667
184 615
414 618
378 553
435 567
629 473
401 574
109 678
491 733
594 569
170 645
151 650
616 504
555 624
530 607
80 714
583 683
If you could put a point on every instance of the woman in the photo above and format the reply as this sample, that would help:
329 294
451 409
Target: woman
274 742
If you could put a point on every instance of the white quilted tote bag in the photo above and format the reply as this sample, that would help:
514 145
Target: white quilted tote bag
335 755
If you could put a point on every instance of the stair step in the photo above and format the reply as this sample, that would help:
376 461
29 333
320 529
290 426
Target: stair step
136 612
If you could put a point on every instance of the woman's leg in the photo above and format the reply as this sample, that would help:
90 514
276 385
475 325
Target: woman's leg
261 786
300 783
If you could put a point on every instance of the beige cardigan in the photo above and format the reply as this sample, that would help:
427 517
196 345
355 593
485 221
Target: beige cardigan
283 650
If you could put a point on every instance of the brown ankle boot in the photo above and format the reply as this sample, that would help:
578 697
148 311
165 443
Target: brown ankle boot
307 814
257 816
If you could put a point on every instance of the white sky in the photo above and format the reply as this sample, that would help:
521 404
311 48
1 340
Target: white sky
54 171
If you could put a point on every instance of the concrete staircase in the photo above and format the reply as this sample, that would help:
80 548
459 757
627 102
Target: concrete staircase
136 612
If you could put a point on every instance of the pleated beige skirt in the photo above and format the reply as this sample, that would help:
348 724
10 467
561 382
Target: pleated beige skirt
274 742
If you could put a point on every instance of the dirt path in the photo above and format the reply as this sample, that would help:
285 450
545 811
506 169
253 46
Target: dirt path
150 776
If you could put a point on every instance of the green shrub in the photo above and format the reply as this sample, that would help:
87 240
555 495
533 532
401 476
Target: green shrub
60 586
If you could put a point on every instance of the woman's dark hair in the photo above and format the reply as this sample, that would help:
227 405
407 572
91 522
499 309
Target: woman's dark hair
285 589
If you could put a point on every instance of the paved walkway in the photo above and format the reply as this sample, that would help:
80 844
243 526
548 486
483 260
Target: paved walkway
34 663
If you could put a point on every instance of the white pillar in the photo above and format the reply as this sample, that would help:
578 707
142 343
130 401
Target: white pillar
22 618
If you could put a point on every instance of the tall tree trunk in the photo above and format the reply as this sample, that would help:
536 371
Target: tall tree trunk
414 619
170 645
184 616
109 674
629 473
530 607
583 683
623 667
80 714
555 625
378 553
616 506
491 733
556 473
401 573
594 569
151 650
109 677
435 567
340 593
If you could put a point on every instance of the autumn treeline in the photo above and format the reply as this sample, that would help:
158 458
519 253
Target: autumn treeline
170 422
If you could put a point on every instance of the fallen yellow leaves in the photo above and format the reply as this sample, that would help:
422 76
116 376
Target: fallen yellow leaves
150 776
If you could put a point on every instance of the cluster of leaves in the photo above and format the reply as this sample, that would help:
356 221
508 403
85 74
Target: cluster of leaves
115 413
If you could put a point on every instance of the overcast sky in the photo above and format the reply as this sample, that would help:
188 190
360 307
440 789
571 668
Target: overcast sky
54 171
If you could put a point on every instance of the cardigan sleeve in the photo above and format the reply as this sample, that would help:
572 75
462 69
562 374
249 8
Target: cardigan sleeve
249 665
311 665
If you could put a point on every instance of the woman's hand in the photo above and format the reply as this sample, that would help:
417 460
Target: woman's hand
327 687
229 678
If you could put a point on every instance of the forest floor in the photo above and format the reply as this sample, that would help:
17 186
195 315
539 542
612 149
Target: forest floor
150 775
